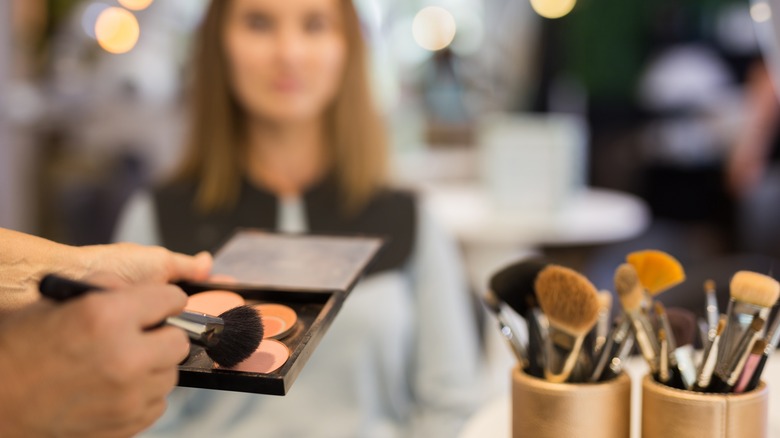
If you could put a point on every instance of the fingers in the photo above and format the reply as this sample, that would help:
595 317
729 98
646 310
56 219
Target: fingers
150 304
169 346
195 268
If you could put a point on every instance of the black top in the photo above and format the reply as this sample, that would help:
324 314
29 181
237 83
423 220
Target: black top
390 214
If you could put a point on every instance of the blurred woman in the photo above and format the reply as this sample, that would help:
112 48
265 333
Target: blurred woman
284 136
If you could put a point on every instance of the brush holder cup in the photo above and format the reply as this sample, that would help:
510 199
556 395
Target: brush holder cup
670 412
541 409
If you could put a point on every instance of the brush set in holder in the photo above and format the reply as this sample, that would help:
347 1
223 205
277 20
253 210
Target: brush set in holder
571 350
721 395
569 380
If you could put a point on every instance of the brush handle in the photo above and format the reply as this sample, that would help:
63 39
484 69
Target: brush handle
713 313
202 329
616 363
740 316
644 339
747 373
562 352
611 349
756 377
512 340
62 289
708 365
535 344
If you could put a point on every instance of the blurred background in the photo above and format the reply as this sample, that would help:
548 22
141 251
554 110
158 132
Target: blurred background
580 129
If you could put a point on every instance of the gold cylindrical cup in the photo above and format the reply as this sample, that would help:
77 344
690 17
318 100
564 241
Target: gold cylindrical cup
541 409
670 412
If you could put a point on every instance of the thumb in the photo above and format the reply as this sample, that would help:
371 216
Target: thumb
186 267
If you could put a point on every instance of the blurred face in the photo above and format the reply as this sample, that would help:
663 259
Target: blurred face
285 57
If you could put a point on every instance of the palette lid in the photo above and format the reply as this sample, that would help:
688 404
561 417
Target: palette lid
293 262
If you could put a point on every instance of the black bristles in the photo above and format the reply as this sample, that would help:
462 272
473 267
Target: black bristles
240 338
515 284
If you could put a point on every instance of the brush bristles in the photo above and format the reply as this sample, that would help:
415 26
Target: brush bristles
661 335
628 288
757 324
683 324
514 284
721 326
239 339
759 347
754 288
567 298
709 285
657 270
659 308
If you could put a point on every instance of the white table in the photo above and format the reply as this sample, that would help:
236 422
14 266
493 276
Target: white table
592 216
494 419
492 237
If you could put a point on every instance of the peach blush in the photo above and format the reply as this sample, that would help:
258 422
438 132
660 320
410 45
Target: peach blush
268 357
214 302
272 326
280 312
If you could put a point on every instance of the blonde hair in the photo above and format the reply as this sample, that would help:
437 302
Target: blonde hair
213 149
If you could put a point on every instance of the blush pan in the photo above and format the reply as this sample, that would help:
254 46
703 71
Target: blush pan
214 302
278 320
269 357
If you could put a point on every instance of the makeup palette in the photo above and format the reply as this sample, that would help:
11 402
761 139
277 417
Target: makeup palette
278 275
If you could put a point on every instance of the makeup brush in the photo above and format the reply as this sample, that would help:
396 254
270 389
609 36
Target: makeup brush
712 308
727 377
571 305
685 328
752 294
602 323
664 373
710 359
505 327
751 366
657 270
613 355
631 295
514 285
772 339
228 339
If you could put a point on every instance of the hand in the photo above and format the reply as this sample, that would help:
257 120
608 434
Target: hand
137 264
87 368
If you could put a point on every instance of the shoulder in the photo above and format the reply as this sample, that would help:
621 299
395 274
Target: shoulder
392 214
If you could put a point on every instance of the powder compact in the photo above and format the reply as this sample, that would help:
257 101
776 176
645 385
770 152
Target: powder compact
296 282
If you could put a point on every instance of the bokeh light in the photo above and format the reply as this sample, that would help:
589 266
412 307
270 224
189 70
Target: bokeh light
760 12
434 28
117 30
136 5
553 8
90 16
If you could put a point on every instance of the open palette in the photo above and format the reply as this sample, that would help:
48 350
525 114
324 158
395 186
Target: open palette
299 282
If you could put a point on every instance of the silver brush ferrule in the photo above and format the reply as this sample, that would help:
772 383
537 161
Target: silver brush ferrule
203 330
740 316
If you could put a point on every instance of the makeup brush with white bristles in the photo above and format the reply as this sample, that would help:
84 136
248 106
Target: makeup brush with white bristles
752 294
571 305
631 295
